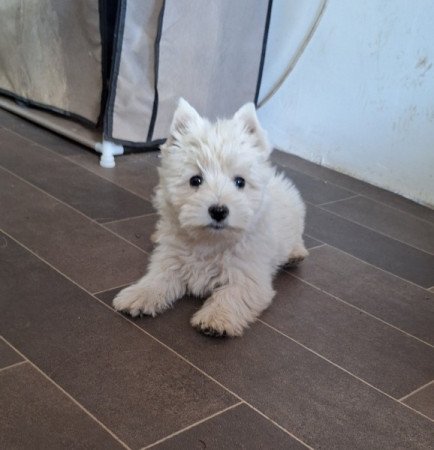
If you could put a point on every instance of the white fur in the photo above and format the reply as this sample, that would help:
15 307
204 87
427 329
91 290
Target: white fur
233 266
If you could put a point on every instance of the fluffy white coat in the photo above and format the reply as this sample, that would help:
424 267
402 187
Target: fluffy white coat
230 261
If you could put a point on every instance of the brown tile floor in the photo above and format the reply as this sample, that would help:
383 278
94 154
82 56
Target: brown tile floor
343 359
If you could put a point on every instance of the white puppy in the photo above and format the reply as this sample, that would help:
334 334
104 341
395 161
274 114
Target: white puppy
227 223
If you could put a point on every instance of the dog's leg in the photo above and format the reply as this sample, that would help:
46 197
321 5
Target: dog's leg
232 308
153 293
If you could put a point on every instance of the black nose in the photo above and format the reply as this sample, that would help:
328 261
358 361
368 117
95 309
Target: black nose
218 213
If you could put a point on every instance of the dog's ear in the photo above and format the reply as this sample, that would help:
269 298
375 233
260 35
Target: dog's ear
184 119
248 119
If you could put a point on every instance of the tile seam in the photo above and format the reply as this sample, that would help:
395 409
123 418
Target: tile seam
374 266
406 397
374 230
344 370
335 297
193 425
11 366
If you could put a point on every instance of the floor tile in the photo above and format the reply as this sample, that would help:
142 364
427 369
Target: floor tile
423 400
313 190
132 384
133 172
137 230
35 414
379 354
236 429
83 190
381 251
40 135
381 294
317 402
352 184
389 221
83 250
8 355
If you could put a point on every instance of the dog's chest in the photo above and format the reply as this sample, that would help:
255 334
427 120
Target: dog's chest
205 273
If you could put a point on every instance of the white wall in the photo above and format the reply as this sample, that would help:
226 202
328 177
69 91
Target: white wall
361 97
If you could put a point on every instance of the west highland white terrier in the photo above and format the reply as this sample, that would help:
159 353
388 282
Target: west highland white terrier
227 223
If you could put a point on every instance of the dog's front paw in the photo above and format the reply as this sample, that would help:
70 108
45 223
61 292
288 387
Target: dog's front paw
215 322
297 255
137 300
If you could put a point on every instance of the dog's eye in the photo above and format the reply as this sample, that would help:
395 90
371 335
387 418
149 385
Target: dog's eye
196 181
240 182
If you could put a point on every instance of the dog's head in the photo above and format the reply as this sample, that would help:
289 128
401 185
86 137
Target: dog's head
213 175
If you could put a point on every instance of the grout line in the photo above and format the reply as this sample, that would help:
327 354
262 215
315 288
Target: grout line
76 163
266 417
130 218
67 394
395 208
373 229
192 425
339 200
110 289
13 365
344 370
101 225
124 239
315 246
123 317
375 267
415 391
335 297
361 194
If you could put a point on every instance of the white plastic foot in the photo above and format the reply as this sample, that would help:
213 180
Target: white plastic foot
108 150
